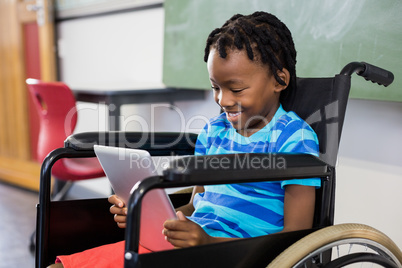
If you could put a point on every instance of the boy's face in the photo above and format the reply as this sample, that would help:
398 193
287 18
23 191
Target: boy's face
246 91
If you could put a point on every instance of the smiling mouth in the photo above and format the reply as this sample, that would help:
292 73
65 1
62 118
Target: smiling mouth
231 114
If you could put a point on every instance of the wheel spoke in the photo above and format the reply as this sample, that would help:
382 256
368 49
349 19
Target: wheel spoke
350 248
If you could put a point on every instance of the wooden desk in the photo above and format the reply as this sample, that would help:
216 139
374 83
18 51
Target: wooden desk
115 98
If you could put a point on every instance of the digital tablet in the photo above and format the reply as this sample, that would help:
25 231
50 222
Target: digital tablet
124 168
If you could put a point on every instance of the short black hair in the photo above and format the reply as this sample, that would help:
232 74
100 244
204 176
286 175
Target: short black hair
265 38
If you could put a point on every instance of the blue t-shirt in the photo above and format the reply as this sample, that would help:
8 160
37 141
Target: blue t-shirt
250 209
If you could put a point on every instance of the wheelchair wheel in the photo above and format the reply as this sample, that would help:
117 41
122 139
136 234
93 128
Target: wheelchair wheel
350 243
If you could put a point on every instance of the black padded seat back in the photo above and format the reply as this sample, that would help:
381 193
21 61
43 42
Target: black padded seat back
321 102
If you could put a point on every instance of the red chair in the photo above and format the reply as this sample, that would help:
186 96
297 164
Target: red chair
56 107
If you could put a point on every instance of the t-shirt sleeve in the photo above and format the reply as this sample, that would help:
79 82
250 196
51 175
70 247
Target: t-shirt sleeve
300 138
201 144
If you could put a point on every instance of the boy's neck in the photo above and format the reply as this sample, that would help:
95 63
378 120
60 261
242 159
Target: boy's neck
247 132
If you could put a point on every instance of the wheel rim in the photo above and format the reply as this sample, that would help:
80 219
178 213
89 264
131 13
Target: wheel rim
377 247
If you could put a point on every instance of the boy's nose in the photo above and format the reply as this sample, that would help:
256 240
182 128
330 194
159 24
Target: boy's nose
225 99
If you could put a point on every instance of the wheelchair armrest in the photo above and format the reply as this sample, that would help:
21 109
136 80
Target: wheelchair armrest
157 143
237 168
220 169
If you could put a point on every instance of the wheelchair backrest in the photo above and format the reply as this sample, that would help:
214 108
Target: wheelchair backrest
321 102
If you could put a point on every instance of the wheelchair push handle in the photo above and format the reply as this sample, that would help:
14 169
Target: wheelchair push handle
369 72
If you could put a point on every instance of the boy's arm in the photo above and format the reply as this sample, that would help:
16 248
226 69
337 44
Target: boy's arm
298 207
188 209
184 232
298 214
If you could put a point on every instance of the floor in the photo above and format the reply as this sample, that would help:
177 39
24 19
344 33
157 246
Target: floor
18 216
17 210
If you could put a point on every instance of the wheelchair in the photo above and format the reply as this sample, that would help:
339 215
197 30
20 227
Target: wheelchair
65 227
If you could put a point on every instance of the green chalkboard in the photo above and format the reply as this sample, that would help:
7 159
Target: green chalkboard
328 35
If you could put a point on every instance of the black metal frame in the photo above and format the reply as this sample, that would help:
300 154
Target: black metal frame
297 166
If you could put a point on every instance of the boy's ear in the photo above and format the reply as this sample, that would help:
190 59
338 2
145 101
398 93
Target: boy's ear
284 75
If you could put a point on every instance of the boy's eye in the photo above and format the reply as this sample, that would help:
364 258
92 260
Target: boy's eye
238 90
216 88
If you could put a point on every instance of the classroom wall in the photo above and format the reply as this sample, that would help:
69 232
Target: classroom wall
369 169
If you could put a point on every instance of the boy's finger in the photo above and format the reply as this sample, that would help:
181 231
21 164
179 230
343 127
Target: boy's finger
181 216
121 224
177 243
113 199
179 235
116 210
173 224
119 218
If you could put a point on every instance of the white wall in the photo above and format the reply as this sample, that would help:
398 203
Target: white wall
369 171
120 50
124 48
369 179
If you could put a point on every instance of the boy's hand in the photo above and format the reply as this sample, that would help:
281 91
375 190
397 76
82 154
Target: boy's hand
183 232
119 210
